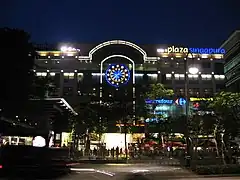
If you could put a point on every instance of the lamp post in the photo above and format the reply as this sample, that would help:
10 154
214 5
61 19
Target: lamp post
188 70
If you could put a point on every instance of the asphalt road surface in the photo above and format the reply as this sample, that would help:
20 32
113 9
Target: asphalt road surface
130 172
133 172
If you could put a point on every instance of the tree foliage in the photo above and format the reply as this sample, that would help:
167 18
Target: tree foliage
226 103
159 91
90 118
17 61
226 106
19 82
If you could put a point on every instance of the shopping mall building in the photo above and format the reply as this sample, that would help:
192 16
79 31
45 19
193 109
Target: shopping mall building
121 71
115 69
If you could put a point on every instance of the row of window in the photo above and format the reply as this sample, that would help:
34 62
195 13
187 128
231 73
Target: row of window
164 64
43 55
168 76
194 77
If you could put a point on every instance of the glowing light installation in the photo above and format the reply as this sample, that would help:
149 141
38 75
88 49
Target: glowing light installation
107 43
117 75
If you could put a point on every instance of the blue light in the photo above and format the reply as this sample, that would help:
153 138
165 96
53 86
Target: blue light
117 75
207 50
159 101
181 101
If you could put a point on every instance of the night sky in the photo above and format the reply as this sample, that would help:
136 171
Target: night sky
196 23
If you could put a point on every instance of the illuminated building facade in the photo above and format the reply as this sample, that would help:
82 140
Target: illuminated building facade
232 59
121 71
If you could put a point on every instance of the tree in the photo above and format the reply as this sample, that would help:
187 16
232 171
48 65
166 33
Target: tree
159 91
226 106
41 87
91 119
16 75
16 71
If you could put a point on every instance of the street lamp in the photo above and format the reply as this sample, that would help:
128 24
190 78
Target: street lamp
188 70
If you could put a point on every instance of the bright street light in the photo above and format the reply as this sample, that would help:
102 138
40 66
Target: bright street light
193 70
68 49
160 50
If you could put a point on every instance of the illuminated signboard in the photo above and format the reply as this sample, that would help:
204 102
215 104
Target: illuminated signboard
200 99
207 50
174 49
179 101
159 101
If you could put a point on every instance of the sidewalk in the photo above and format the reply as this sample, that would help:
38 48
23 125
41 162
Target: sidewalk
142 160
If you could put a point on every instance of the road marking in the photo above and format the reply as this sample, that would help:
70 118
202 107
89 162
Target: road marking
82 169
93 170
106 173
139 171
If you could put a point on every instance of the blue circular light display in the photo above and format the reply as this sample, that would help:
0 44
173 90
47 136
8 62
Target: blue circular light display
117 75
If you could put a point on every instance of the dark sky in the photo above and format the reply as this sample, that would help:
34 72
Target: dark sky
198 23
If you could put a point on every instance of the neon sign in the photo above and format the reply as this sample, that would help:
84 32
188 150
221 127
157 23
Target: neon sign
185 50
200 99
159 101
180 101
174 49
207 50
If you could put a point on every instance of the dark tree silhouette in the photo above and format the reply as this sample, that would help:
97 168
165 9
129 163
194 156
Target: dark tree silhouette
16 75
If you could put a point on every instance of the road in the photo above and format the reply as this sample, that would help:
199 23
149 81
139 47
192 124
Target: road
131 172
134 172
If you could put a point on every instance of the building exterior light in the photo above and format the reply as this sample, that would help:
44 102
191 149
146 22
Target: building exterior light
193 70
68 49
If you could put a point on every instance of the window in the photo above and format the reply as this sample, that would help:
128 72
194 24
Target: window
193 76
206 76
219 77
43 74
179 76
168 76
152 78
68 76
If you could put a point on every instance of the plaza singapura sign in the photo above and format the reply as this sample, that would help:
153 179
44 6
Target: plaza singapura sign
173 49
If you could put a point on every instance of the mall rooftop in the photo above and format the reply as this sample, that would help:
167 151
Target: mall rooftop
149 52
